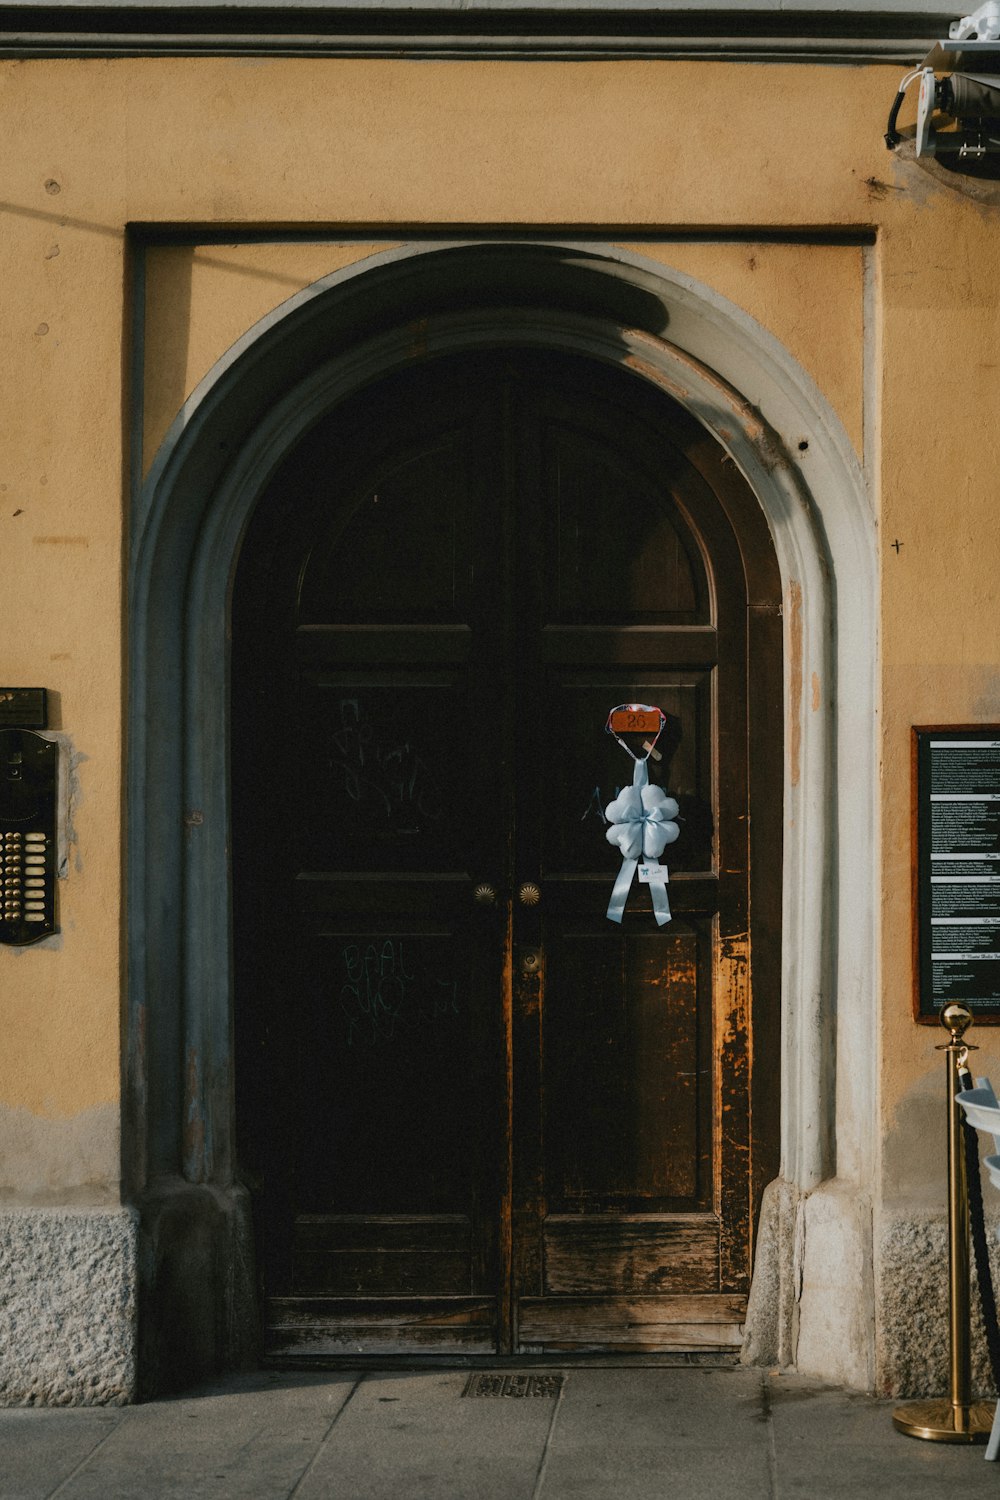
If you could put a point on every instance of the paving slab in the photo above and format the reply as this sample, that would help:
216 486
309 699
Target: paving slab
830 1443
40 1447
642 1434
250 1440
417 1437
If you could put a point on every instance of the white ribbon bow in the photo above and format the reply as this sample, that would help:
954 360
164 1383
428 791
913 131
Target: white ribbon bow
642 826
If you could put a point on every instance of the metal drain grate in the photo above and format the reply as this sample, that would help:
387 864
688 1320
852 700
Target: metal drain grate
518 1386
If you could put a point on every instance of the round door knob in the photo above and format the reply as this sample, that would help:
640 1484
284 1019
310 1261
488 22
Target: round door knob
485 895
529 894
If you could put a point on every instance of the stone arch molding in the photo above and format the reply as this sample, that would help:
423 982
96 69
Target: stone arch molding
196 1299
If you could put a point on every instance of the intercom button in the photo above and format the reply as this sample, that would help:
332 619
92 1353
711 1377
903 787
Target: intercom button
34 916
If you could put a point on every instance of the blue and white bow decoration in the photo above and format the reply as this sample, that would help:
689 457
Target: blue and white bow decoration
642 825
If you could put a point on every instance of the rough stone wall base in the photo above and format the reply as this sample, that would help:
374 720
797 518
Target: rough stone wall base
912 1308
837 1299
772 1313
812 1299
68 1297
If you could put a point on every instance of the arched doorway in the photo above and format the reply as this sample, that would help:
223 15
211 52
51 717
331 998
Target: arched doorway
752 399
476 1116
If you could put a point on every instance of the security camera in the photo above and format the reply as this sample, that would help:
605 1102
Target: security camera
958 116
972 102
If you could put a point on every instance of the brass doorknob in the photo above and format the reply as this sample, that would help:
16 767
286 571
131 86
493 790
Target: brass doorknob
529 894
485 895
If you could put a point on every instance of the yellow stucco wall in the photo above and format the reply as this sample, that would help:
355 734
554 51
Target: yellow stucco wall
377 151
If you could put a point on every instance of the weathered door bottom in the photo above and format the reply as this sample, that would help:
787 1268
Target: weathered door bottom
321 1329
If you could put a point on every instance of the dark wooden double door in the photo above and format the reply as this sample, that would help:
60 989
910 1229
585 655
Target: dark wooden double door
475 1115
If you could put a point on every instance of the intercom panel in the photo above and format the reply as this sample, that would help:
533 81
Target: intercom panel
29 778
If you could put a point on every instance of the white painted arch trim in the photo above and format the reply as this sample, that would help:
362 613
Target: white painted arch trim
760 404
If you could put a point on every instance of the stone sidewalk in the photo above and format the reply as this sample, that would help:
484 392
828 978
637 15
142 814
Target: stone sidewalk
608 1433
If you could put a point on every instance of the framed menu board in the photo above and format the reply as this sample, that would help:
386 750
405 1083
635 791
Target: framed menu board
956 792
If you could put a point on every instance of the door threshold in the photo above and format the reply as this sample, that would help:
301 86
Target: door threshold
700 1359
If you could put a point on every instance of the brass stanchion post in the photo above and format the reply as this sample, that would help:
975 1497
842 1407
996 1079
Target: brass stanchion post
959 1419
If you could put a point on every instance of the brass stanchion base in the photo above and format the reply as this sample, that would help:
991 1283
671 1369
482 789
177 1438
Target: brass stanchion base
935 1421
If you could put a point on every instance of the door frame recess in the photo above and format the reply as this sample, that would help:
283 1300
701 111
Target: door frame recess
197 1293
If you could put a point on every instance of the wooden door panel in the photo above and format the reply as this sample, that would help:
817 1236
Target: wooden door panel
420 489
387 1026
310 1328
624 1192
645 646
345 1255
380 1178
499 1126
621 1029
631 1325
395 1182
631 1253
618 550
377 772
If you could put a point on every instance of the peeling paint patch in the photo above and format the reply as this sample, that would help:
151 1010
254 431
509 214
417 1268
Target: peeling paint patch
795 679
61 541
47 1157
732 1121
652 373
815 692
70 797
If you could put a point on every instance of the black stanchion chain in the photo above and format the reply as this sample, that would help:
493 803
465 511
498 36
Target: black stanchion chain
980 1246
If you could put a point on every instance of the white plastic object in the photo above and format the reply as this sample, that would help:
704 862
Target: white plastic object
982 26
925 109
982 1110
